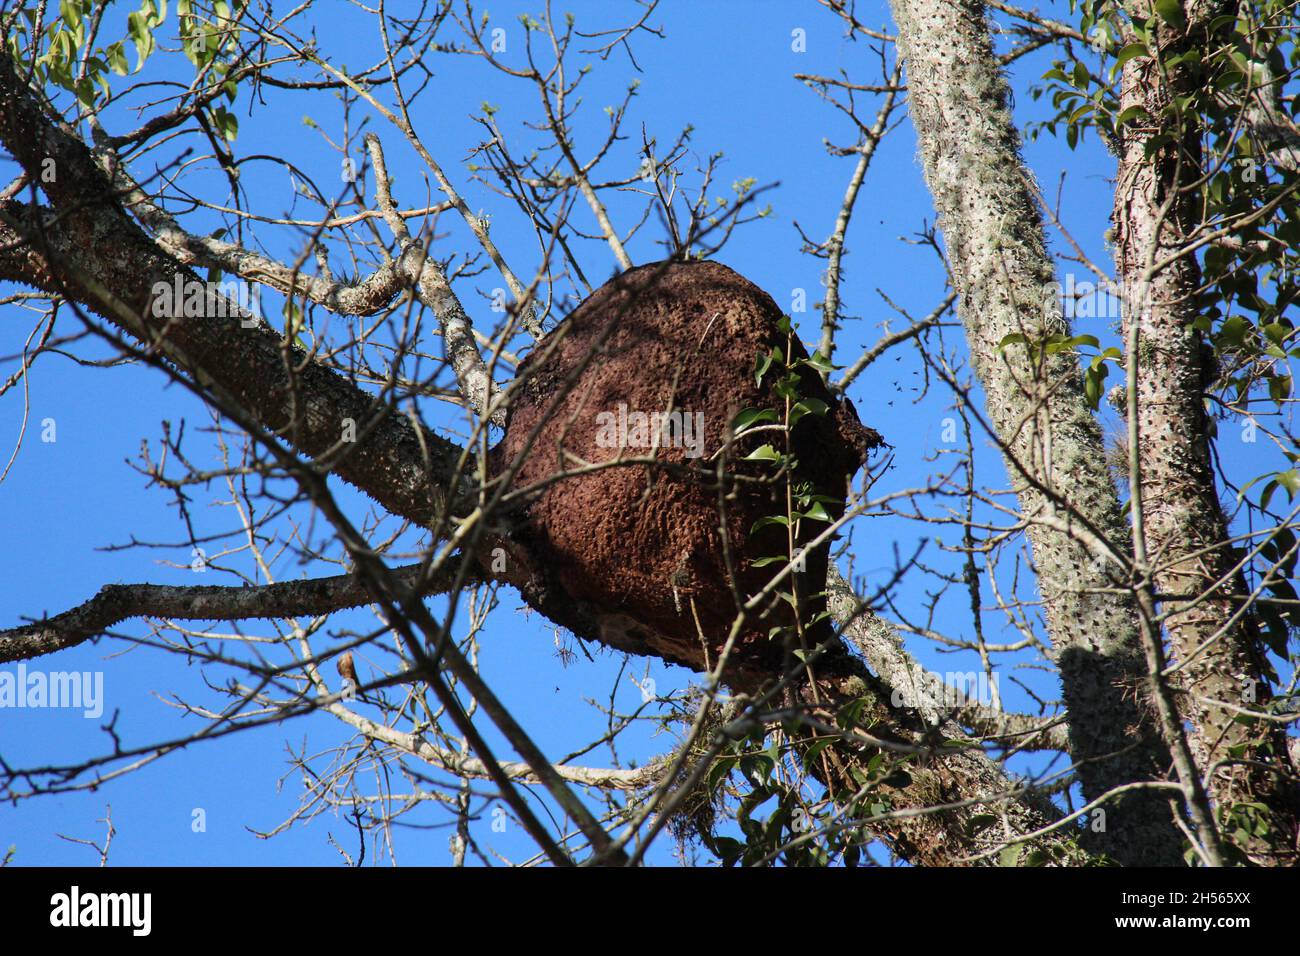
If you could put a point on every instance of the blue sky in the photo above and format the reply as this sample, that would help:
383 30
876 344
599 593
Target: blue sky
726 69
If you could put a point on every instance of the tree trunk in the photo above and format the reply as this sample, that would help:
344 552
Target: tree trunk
970 152
1215 641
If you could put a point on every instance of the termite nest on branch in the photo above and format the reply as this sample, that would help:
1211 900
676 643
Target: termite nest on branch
657 364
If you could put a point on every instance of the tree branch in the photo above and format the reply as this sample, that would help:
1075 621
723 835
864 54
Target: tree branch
117 602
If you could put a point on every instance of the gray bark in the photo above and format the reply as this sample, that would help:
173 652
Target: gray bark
970 153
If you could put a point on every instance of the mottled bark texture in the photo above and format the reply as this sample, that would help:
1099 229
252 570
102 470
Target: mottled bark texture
1215 641
970 153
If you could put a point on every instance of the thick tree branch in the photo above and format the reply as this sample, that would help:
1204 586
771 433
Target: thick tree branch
883 649
89 236
118 602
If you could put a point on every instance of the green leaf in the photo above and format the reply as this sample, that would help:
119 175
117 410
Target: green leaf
762 523
141 34
1191 57
1233 332
751 417
763 453
817 513
810 753
1276 332
1131 51
70 12
807 406
721 767
226 122
1076 341
1267 494
85 91
1171 11
1290 480
787 386
1155 143
116 57
850 714
1131 115
1094 382
820 362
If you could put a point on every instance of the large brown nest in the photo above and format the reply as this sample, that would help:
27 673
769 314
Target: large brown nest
660 553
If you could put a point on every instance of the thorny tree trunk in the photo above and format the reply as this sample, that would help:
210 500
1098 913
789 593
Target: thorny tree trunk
1214 641
993 231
